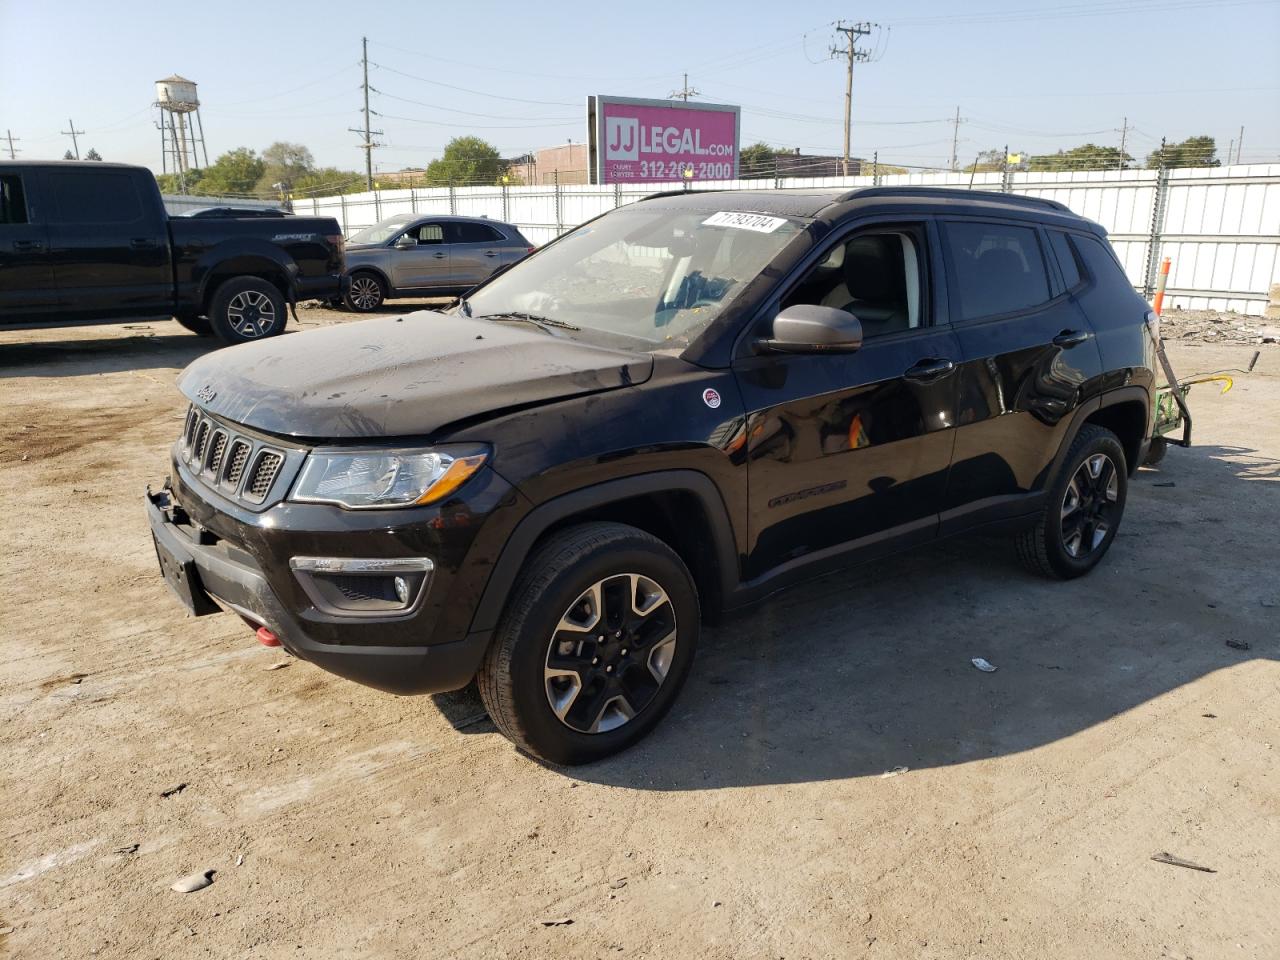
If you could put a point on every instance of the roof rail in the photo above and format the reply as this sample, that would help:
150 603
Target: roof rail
948 193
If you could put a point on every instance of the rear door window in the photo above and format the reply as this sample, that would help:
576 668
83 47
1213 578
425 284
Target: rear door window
997 268
1066 258
13 199
91 196
471 233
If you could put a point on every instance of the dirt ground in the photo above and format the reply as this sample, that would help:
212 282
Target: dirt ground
763 819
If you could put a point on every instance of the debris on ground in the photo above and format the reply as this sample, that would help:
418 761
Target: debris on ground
173 790
556 922
278 666
894 772
984 665
1235 644
197 881
1179 862
239 859
127 849
1213 326
618 884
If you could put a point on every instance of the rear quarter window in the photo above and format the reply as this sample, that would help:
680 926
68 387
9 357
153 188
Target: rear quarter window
13 200
1065 254
1100 262
90 196
998 268
473 233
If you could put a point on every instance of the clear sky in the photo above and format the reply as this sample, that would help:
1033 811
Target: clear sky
1036 75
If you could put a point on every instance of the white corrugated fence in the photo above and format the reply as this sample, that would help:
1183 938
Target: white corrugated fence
1220 225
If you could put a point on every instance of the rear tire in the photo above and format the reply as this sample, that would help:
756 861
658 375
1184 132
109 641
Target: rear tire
366 292
200 326
1083 510
245 309
596 640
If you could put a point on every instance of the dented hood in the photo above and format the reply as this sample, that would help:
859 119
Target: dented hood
400 376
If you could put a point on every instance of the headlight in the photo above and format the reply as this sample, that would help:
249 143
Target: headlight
372 479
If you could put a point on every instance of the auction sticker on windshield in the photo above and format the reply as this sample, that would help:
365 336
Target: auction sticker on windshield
744 221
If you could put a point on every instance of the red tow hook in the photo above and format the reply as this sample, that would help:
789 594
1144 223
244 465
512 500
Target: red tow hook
267 638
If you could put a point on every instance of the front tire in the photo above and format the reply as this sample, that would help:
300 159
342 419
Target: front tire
200 326
597 638
366 292
1083 511
245 309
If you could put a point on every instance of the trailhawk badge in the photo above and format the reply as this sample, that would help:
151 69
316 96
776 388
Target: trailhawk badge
711 398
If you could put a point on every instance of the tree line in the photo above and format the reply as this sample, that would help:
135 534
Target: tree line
285 170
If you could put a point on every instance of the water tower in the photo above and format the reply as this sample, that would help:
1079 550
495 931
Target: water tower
181 131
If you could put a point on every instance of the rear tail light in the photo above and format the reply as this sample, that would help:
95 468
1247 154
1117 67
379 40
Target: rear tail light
530 250
337 241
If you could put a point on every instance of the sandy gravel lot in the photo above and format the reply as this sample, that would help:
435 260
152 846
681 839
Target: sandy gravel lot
757 822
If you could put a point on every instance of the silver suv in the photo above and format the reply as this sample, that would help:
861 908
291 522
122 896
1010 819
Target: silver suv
415 256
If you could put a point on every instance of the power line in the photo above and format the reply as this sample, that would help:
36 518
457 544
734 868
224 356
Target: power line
478 93
368 144
72 133
852 55
685 91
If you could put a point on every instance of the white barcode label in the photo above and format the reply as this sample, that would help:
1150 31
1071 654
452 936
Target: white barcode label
744 221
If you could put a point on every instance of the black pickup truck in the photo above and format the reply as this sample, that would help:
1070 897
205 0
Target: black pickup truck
92 243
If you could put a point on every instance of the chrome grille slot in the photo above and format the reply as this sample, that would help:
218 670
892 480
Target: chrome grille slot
216 449
201 442
236 462
246 468
262 475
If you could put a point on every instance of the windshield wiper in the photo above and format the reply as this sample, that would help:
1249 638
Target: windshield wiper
545 323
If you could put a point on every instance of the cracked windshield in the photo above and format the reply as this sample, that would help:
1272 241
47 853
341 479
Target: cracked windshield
650 279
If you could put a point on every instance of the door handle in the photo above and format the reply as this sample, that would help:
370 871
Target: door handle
1071 338
930 369
490 253
142 243
27 245
439 256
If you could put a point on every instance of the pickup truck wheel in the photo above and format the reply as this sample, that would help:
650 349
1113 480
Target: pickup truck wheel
366 293
247 308
1083 511
595 643
197 325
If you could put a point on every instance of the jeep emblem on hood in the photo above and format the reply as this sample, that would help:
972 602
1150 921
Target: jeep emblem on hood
206 394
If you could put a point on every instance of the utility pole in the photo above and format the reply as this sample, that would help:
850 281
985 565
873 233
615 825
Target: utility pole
1124 136
852 55
72 133
1239 145
955 142
368 144
685 92
13 154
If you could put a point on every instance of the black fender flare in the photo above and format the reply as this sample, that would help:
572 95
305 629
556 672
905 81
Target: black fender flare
245 257
1091 406
526 533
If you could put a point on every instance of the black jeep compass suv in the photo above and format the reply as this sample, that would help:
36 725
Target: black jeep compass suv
668 413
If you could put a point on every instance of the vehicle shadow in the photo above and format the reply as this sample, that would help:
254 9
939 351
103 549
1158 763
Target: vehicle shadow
868 671
90 355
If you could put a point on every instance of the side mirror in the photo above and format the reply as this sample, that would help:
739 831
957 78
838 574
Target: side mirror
405 242
808 328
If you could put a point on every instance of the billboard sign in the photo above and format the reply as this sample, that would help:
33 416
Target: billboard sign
658 141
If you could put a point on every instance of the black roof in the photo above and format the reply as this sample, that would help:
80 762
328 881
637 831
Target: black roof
833 203
63 164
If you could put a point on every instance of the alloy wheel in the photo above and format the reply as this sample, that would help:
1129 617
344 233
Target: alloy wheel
1089 505
365 293
251 314
610 653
